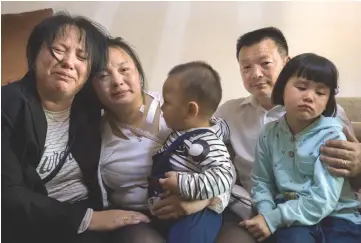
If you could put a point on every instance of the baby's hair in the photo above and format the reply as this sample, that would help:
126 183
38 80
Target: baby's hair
310 67
201 83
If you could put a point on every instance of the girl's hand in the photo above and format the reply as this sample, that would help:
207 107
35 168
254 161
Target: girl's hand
257 227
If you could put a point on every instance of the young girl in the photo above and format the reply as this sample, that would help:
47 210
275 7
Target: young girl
296 197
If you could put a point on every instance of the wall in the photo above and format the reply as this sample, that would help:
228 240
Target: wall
167 33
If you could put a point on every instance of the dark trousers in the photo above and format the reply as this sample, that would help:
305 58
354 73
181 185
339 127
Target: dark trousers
92 237
329 230
200 227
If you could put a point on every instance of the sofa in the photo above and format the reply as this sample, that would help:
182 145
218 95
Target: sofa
352 107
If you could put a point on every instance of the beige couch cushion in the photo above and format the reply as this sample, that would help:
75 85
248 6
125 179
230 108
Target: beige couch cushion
357 129
352 107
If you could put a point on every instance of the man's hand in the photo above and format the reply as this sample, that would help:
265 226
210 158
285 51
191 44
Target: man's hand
170 183
257 227
343 157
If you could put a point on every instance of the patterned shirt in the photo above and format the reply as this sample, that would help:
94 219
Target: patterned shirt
289 165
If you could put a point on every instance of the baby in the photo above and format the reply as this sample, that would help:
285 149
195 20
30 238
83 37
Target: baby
194 162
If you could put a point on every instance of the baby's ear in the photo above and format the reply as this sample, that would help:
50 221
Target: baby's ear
193 109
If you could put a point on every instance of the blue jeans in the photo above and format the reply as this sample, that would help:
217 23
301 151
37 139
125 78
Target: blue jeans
329 230
201 227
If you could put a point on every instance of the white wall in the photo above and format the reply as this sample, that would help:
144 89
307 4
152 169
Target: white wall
167 33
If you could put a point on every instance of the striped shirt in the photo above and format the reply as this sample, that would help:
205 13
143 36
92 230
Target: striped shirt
203 162
67 185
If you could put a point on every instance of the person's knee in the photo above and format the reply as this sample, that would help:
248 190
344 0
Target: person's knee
89 237
139 233
231 232
149 237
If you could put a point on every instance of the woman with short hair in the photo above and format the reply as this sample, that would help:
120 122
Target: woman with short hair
50 140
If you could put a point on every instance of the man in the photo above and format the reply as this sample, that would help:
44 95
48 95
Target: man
261 55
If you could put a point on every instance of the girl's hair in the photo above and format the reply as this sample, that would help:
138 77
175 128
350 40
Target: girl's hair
311 67
119 42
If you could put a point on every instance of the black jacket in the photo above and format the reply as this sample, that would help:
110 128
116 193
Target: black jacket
28 214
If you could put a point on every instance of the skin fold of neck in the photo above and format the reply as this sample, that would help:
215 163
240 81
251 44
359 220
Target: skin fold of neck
130 113
56 106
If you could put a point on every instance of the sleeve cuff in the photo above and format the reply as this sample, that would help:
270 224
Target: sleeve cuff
219 207
180 187
86 221
273 219
183 185
265 207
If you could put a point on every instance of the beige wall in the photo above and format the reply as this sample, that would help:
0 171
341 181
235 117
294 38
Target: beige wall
168 33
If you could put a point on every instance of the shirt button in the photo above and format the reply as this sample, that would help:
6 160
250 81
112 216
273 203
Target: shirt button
291 154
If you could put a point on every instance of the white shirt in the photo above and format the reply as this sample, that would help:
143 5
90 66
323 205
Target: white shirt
246 118
125 164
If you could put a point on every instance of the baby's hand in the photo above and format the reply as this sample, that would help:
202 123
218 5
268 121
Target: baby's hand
170 183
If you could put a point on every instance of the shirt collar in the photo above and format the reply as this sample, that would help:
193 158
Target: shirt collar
254 102
322 121
246 101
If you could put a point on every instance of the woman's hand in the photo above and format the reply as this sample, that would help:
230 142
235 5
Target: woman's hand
113 219
174 207
343 157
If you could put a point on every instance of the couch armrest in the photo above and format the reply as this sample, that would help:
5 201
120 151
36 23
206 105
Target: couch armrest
356 126
240 203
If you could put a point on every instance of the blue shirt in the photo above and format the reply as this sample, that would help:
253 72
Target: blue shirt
290 163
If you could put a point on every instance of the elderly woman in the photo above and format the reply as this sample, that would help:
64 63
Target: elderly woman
50 141
133 129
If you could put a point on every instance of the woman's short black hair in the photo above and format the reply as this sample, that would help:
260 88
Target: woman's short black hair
119 42
95 37
311 67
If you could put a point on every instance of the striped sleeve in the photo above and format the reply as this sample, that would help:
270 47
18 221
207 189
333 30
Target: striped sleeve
222 128
217 173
